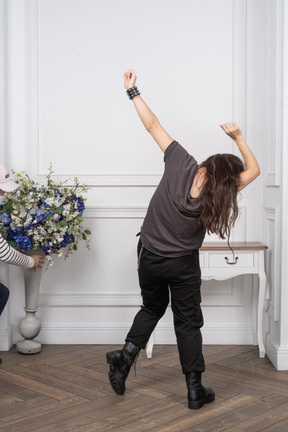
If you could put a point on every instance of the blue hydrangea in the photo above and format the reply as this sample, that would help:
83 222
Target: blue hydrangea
67 239
80 204
22 241
29 226
44 205
5 218
45 250
41 215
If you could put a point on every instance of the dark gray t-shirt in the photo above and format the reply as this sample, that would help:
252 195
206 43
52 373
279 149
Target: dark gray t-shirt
171 227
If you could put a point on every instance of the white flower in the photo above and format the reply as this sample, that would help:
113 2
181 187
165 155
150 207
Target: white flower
37 211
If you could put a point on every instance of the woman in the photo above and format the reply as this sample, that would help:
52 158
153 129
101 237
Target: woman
7 253
189 201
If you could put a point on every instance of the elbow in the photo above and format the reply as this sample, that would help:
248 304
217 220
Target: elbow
257 172
254 171
152 126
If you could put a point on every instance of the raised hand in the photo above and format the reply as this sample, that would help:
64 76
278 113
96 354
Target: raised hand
232 130
129 79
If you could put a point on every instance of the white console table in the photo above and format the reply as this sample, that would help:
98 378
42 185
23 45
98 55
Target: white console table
218 262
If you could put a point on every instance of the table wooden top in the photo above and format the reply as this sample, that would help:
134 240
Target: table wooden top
234 246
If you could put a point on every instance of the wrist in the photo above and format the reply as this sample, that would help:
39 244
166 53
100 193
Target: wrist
239 139
132 92
31 262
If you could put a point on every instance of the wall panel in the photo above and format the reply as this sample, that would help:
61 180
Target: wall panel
74 112
75 108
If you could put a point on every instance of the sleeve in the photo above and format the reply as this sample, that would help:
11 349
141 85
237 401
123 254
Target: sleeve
176 157
12 256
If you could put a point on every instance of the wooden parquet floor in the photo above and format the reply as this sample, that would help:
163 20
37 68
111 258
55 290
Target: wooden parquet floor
65 388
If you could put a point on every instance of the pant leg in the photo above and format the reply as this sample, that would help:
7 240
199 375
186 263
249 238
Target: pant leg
155 296
187 313
4 295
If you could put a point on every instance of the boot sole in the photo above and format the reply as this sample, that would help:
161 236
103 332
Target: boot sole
113 379
194 405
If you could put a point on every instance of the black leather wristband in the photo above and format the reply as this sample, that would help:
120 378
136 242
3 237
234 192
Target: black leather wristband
132 92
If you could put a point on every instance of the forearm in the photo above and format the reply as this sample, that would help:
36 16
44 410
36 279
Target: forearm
12 256
149 120
252 168
248 157
147 117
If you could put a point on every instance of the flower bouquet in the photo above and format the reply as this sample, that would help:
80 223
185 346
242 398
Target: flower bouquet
45 216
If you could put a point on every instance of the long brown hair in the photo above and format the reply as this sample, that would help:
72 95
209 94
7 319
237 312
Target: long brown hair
219 193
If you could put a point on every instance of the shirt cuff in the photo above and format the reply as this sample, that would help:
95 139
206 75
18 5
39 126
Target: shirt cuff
31 262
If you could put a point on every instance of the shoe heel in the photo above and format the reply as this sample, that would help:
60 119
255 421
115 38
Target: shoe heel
194 405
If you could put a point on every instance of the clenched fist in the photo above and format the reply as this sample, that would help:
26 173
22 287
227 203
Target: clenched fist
129 79
232 130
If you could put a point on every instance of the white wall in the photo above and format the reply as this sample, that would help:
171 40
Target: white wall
275 178
196 68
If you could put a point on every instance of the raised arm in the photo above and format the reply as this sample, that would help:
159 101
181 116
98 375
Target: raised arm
147 117
252 168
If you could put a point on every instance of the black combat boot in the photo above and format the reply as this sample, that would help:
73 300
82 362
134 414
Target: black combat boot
198 395
120 362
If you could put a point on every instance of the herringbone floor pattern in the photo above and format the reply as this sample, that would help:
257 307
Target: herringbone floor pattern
65 388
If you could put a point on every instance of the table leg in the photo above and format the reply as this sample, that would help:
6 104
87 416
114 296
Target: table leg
149 346
255 289
261 299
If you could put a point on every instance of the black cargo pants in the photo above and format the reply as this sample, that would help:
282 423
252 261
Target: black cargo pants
182 277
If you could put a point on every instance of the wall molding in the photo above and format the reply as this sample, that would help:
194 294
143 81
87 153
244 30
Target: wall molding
3 78
90 300
239 63
115 212
230 293
232 297
284 232
164 334
221 297
272 228
5 331
127 178
274 13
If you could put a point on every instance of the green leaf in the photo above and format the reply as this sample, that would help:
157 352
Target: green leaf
58 226
59 210
84 236
49 216
75 247
88 232
79 219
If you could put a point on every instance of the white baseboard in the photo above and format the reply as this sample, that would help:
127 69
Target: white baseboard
89 334
277 355
6 338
